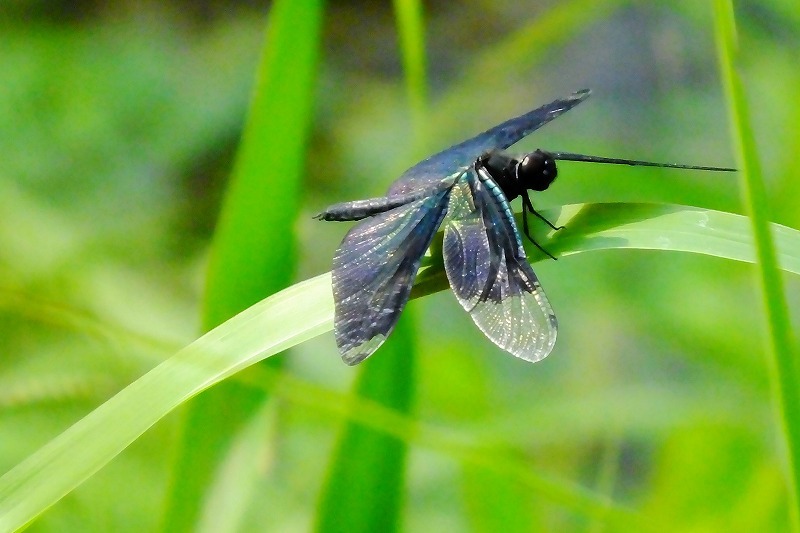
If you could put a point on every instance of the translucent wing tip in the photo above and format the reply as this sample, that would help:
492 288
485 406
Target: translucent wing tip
542 351
571 101
533 347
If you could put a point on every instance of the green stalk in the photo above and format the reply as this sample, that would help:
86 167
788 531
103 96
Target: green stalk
783 370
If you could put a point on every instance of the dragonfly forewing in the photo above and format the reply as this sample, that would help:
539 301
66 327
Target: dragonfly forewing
374 269
499 137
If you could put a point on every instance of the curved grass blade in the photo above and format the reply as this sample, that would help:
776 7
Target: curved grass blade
640 226
665 227
305 310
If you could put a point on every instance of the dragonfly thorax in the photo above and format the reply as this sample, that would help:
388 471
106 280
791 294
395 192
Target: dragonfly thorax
534 171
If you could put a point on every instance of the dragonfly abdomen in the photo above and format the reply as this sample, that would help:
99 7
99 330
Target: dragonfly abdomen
360 209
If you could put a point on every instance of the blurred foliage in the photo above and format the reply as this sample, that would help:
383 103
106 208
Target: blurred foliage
118 124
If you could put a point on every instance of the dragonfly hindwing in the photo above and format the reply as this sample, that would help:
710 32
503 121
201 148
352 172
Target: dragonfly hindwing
490 276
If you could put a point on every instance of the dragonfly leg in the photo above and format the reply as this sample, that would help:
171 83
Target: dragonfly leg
527 201
527 206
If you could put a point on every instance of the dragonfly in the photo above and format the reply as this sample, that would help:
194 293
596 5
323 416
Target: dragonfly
468 189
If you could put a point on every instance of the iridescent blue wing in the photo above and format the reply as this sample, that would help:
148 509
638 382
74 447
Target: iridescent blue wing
491 276
428 172
374 269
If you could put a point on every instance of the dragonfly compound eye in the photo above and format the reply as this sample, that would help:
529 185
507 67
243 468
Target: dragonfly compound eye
537 171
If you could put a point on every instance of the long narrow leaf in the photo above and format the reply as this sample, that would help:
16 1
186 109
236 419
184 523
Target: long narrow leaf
306 310
783 367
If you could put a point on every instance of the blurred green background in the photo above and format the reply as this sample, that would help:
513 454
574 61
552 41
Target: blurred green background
119 122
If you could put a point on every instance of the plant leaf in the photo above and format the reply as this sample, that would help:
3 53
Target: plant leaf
305 310
784 372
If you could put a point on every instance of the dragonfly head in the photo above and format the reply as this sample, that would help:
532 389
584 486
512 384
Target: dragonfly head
516 175
536 171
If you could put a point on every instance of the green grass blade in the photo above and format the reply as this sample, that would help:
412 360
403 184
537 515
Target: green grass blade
642 226
411 33
253 248
783 367
365 485
253 237
676 228
305 310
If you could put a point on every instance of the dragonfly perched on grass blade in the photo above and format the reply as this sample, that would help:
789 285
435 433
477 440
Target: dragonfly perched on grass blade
466 187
